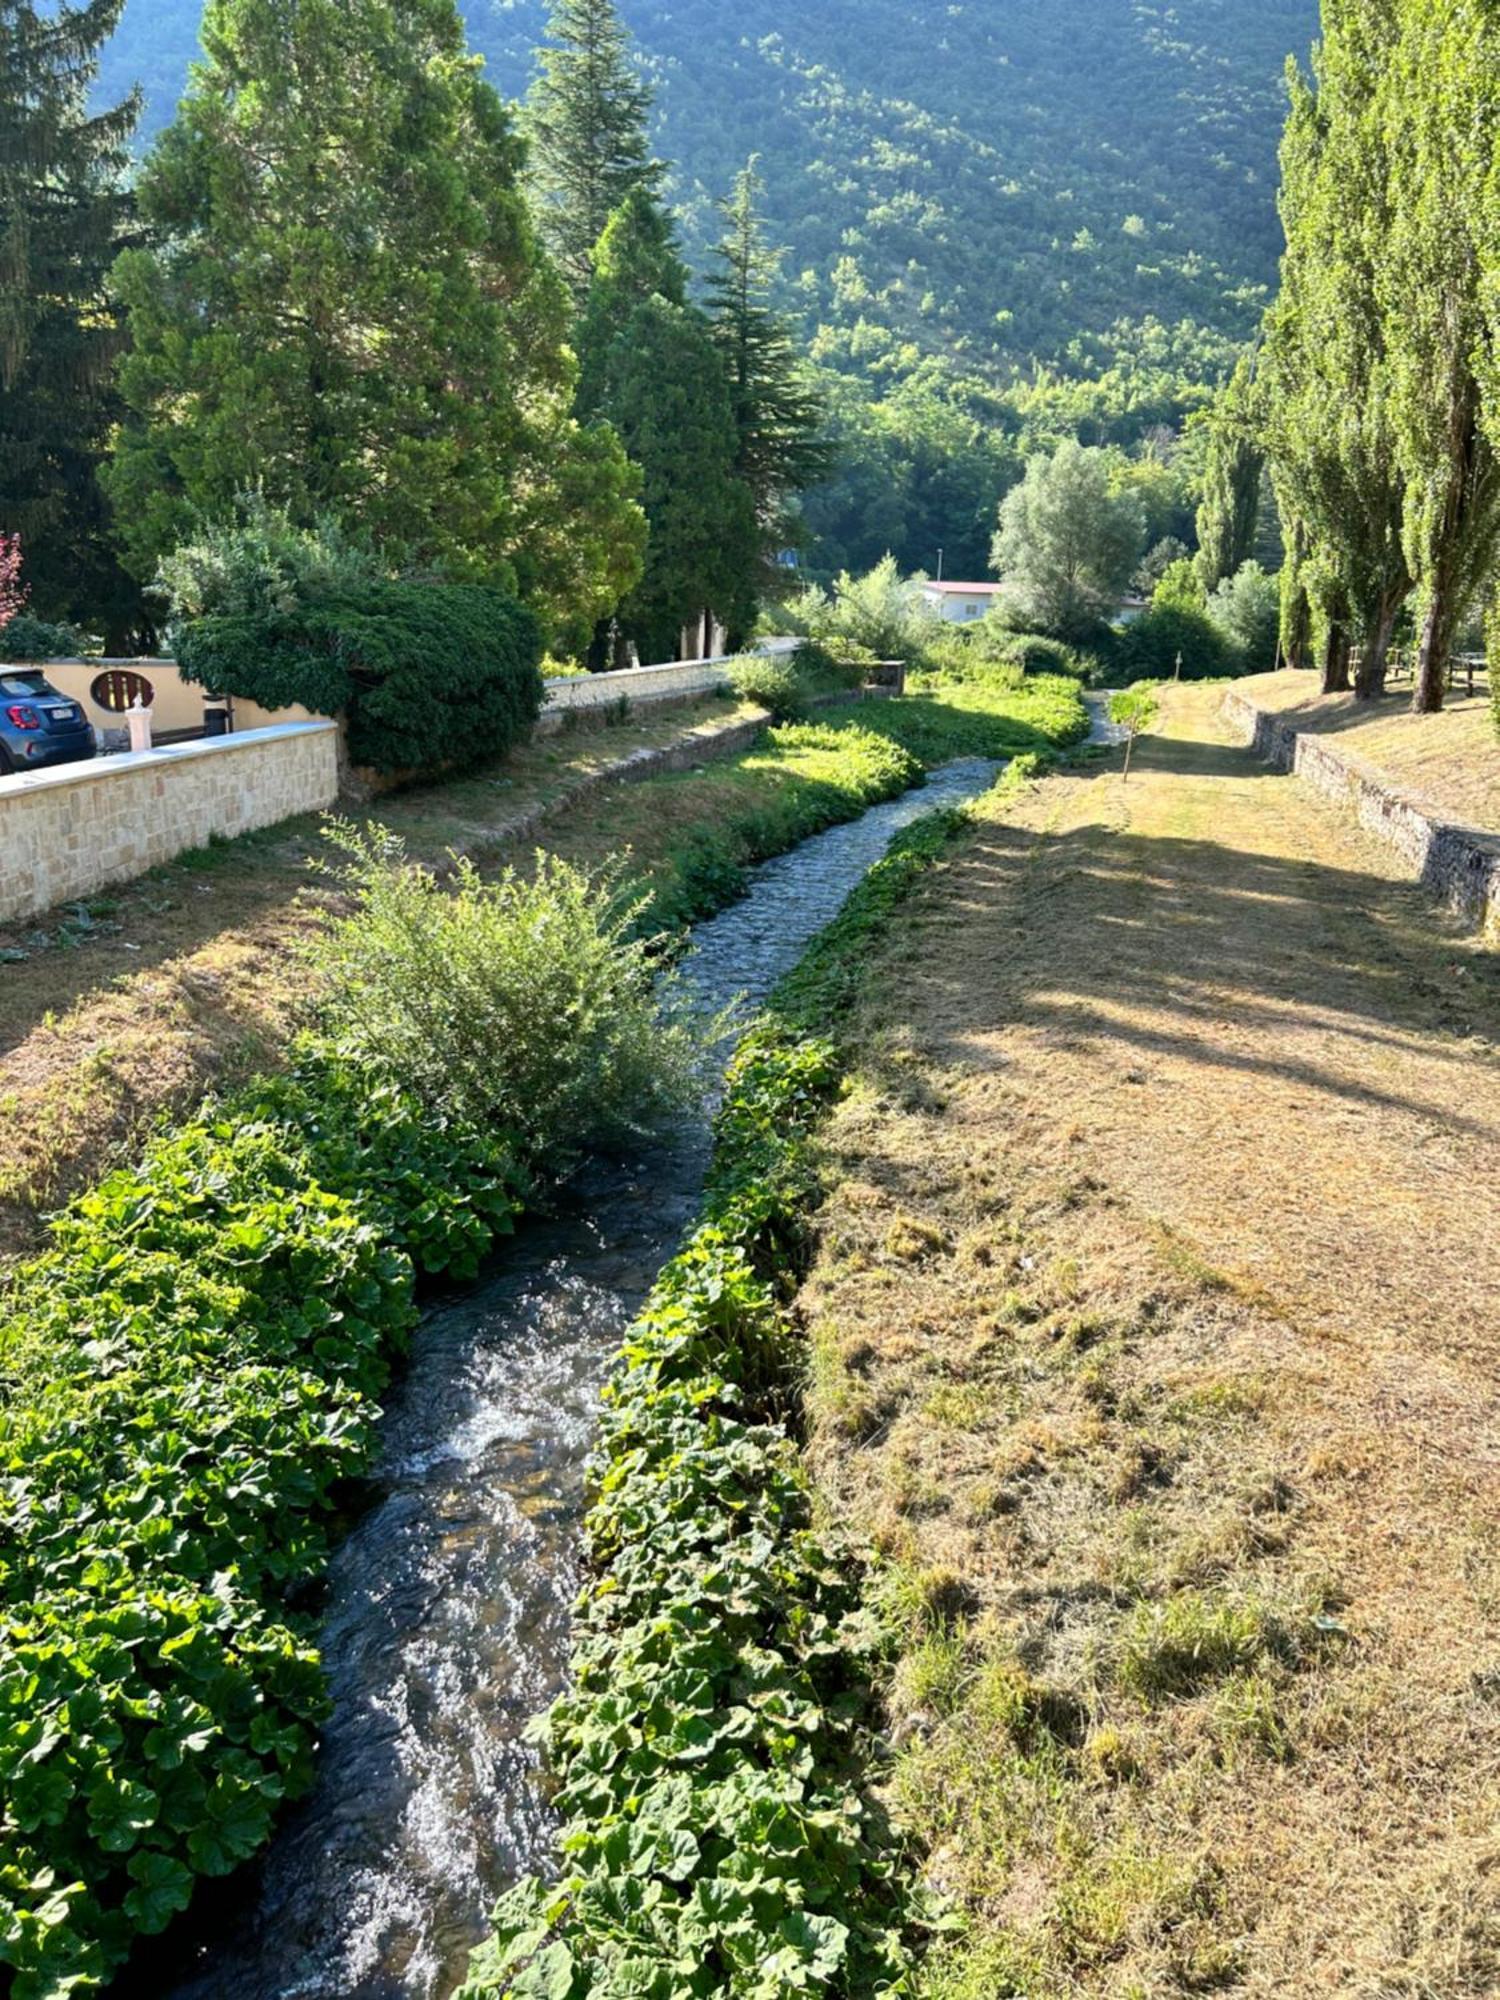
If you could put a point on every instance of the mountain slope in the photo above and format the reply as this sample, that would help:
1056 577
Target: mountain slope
1079 183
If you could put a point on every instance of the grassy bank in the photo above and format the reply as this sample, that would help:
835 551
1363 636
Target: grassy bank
1147 1355
190 979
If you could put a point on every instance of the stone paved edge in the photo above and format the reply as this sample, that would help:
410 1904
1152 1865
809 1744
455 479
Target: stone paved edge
1457 862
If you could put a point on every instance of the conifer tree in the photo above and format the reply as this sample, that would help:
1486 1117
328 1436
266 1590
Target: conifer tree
587 120
779 417
650 361
350 310
64 214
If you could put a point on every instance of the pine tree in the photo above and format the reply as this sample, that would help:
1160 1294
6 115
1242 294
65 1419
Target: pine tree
64 216
1229 511
588 121
350 310
779 417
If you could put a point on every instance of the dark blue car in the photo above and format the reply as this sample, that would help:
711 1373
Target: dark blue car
39 726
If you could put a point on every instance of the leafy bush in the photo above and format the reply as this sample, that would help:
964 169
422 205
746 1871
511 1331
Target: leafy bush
1246 608
1180 588
258 563
1150 648
718 1838
26 638
772 684
531 1006
429 676
878 616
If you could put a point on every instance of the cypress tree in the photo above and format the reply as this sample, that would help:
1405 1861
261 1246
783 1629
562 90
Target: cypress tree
64 216
350 310
779 417
587 119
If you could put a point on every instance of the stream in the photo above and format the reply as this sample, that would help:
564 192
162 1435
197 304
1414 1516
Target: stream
448 1609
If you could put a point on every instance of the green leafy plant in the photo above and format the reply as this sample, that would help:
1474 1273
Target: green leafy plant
1135 710
773 684
529 1004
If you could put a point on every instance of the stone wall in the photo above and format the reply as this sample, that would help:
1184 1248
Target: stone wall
69 832
597 697
1452 860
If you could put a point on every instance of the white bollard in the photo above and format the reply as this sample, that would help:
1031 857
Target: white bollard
138 722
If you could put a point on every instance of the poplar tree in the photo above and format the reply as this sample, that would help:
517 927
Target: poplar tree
1229 511
64 216
1325 359
350 310
588 118
1437 275
779 416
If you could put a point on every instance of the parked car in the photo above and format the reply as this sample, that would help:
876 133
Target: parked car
39 726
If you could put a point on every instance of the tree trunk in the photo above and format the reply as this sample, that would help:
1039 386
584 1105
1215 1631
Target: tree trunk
1336 659
1375 660
1432 659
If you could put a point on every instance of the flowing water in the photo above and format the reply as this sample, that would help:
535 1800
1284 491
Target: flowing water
447 1627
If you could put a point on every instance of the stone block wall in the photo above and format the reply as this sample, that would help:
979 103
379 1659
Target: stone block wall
68 832
1454 861
591 697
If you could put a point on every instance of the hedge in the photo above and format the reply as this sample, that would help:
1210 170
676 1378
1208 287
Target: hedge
429 676
719 1836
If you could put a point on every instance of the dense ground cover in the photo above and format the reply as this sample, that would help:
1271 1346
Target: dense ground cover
1152 1349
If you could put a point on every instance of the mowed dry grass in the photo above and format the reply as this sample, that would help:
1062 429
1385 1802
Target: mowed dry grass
1155 1333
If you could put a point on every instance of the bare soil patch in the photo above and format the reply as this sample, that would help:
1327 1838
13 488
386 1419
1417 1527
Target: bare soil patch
1154 1343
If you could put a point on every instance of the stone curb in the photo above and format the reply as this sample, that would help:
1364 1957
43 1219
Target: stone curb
1453 860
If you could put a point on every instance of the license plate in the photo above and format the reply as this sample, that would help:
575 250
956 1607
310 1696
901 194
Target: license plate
61 711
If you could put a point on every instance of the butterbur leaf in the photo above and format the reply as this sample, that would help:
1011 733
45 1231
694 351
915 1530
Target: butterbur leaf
164 1888
120 1811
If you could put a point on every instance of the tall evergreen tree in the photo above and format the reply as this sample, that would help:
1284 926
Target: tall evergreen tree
1229 510
779 416
64 214
650 361
350 310
587 119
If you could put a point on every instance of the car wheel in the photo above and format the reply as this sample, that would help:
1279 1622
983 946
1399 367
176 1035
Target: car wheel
7 763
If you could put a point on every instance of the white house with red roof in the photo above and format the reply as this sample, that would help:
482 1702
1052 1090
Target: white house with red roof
960 603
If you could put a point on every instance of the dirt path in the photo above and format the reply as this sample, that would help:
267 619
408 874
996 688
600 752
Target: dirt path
1155 1339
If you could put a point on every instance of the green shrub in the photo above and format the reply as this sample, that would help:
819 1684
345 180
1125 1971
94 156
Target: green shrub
1149 648
1246 608
773 684
429 676
530 1006
26 638
258 563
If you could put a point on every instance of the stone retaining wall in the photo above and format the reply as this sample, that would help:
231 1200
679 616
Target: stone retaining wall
68 832
1452 860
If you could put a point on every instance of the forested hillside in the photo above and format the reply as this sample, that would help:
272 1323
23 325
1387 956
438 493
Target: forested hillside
1068 180
1006 220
